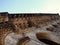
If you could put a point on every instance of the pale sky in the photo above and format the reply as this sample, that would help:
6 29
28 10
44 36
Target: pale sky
30 6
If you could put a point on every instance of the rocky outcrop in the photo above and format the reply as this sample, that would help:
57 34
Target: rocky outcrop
29 29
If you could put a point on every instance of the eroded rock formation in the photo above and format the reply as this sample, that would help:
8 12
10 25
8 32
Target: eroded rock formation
29 29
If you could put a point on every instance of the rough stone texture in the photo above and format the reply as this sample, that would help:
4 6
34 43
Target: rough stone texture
12 39
13 26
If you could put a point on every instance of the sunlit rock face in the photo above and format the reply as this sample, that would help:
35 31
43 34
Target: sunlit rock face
25 21
32 42
27 29
5 29
48 36
12 39
7 34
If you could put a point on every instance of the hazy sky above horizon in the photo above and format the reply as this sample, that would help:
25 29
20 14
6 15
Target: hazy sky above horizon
30 6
